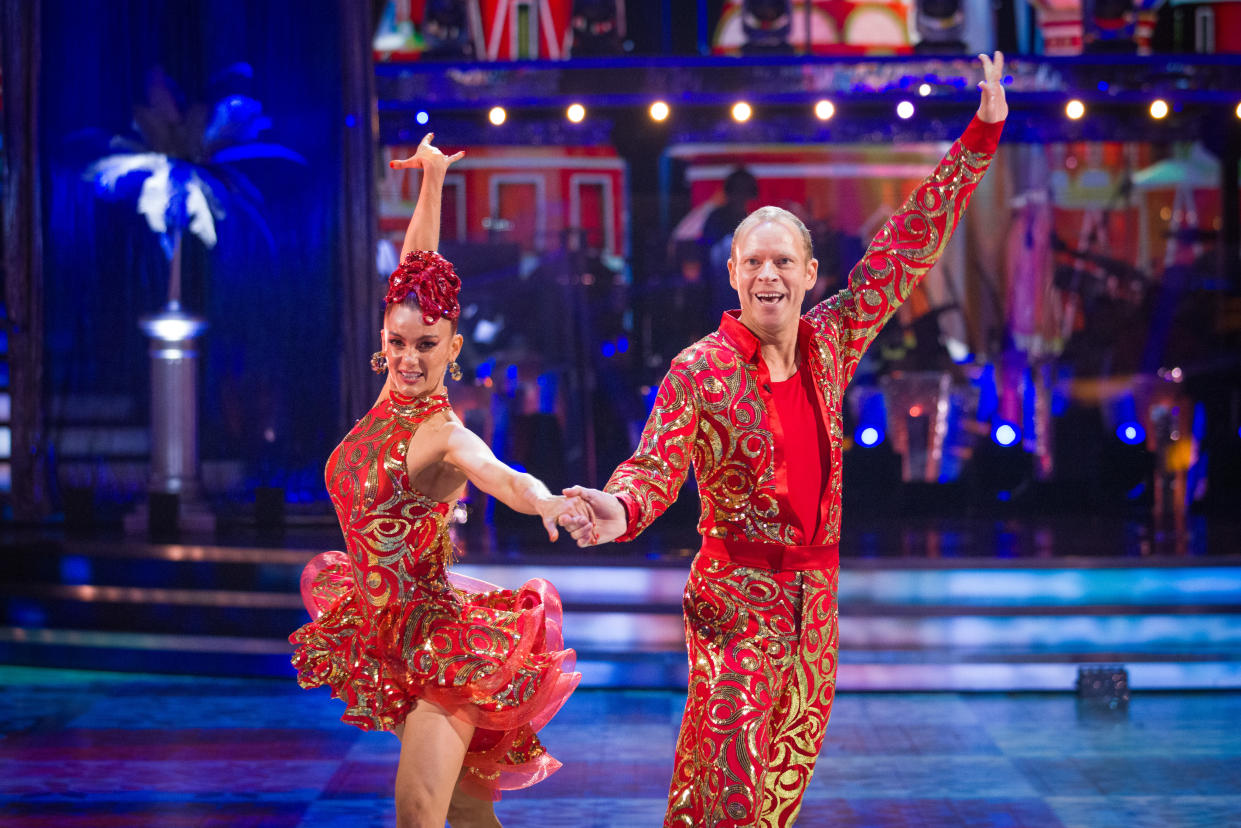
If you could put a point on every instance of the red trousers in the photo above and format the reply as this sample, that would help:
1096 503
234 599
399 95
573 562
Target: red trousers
762 659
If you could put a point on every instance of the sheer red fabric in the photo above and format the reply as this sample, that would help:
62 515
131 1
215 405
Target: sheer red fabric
390 625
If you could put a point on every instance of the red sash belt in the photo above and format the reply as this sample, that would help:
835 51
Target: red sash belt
772 556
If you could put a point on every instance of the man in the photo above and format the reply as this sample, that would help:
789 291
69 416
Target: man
760 603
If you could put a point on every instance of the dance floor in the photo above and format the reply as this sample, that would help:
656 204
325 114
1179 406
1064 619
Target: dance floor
80 748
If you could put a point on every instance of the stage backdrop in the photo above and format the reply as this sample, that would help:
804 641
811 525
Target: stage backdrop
269 385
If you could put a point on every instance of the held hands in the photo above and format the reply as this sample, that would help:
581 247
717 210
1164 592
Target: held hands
994 107
570 512
608 523
428 158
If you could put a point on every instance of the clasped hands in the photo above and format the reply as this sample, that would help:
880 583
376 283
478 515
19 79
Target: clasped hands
590 516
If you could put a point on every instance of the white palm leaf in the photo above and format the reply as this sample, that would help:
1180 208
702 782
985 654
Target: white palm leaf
197 207
109 170
155 196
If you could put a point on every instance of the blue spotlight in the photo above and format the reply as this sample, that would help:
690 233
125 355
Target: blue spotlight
869 436
1131 434
609 350
1005 434
75 569
422 117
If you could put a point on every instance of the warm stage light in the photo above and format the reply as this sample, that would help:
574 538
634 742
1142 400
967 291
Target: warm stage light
924 89
575 113
1159 108
824 110
742 112
1239 110
659 111
497 115
1075 109
905 110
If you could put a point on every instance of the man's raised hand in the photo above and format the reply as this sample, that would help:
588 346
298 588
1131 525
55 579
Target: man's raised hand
994 106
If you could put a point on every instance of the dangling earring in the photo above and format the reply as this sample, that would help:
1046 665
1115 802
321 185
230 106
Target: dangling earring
379 362
454 371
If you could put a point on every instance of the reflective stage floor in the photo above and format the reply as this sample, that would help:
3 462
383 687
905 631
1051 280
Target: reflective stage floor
109 749
926 604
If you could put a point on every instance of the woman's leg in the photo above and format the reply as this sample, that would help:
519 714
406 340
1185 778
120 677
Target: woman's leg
465 811
433 745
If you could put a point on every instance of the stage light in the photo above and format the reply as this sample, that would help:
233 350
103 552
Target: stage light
659 111
924 89
422 117
497 115
1131 434
172 327
1005 434
905 110
742 112
575 113
869 436
1239 110
1074 109
824 110
1159 108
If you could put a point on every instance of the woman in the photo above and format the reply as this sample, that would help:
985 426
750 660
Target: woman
463 673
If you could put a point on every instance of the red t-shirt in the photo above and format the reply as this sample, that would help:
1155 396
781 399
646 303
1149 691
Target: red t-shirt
804 442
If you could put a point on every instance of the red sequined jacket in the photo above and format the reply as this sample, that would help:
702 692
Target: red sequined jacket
714 409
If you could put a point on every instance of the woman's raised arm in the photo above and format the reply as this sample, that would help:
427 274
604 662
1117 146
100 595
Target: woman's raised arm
423 232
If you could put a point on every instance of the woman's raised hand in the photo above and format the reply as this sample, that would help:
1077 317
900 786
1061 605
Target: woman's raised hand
427 157
994 106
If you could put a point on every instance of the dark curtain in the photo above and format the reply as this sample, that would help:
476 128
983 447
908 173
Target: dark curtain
362 290
23 253
269 398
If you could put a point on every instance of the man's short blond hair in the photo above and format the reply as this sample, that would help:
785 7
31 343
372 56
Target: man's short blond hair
770 213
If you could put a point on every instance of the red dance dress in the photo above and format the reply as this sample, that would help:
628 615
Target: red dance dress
761 620
391 625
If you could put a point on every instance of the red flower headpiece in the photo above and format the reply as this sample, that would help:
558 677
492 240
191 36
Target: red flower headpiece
431 279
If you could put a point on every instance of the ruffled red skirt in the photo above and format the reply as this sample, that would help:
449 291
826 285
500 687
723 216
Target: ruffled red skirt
492 657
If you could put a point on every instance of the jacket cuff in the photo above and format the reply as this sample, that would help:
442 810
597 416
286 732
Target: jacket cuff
631 514
982 137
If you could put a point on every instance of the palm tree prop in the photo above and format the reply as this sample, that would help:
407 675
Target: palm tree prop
179 169
180 166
